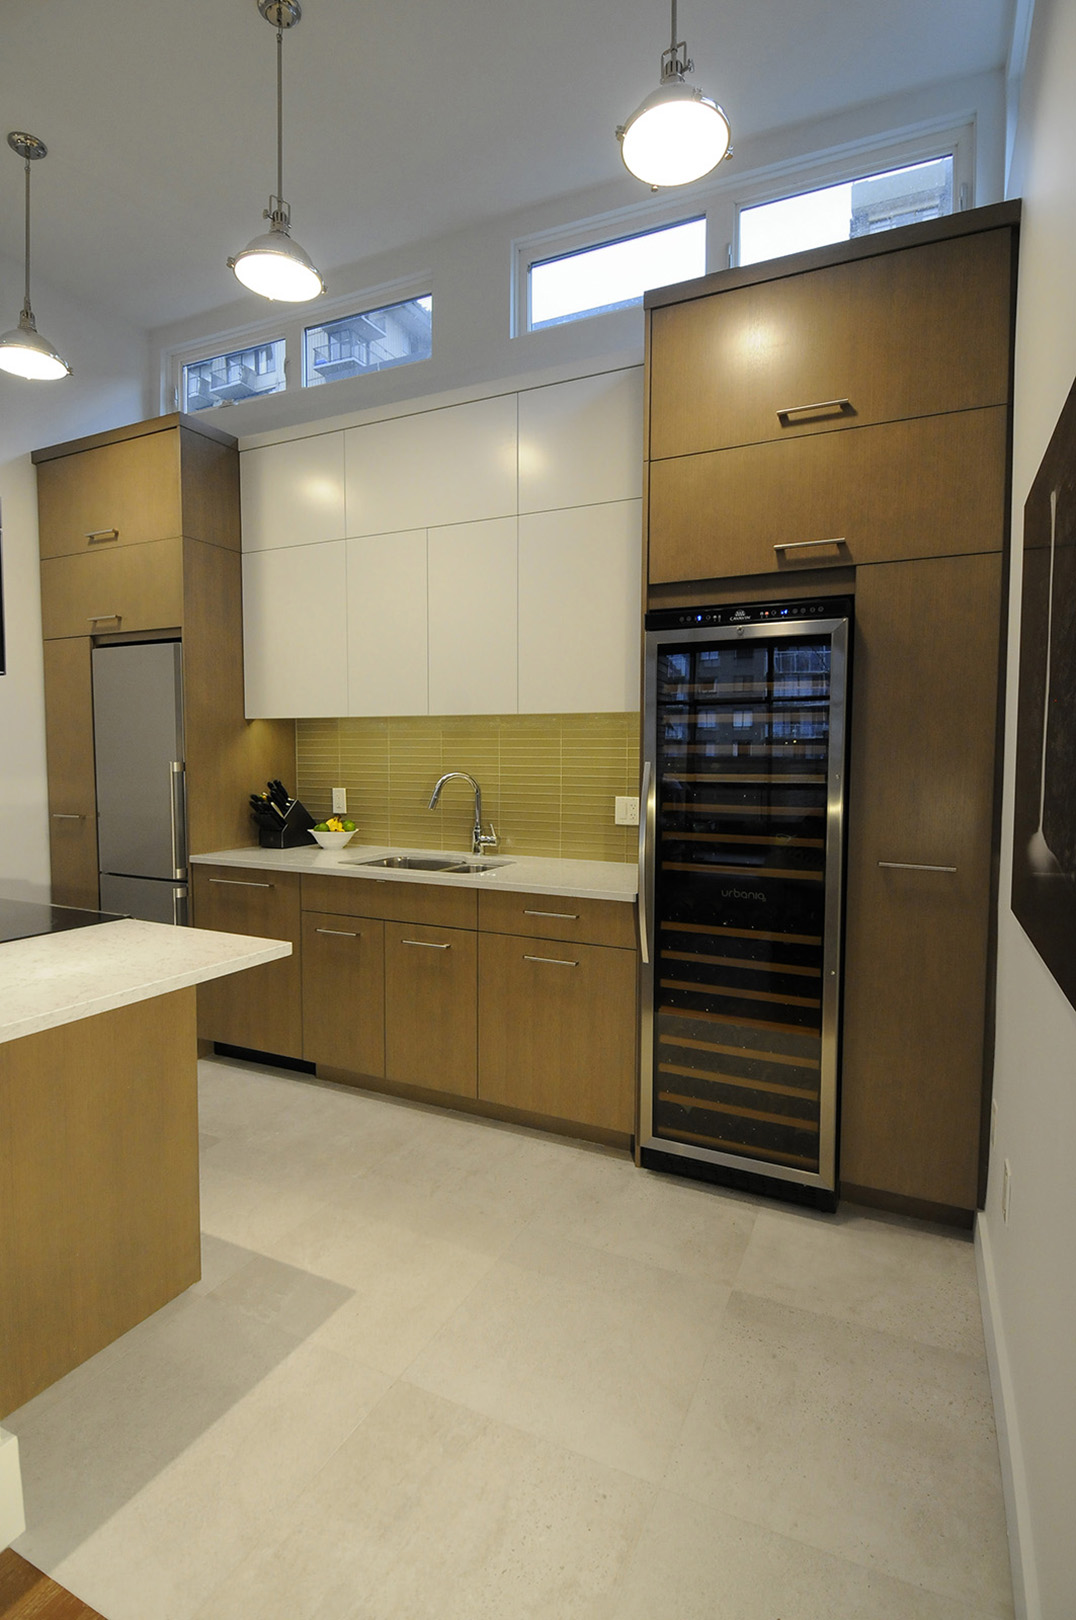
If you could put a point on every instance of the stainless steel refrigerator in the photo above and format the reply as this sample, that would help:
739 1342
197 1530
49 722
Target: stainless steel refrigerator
740 882
141 800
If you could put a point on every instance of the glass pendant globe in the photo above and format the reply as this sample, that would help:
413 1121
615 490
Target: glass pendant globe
676 136
277 268
25 353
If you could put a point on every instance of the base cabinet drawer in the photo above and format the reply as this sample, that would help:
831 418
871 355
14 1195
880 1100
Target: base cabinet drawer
262 1006
930 487
344 992
557 1029
431 1007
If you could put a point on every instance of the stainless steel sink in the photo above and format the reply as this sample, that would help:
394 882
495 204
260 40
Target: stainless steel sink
451 865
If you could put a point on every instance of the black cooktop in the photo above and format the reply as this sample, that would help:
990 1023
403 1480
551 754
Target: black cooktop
23 919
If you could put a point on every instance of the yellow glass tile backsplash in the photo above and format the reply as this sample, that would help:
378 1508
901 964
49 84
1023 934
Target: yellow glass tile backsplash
548 780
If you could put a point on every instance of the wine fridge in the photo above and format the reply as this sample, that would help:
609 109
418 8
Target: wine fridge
740 854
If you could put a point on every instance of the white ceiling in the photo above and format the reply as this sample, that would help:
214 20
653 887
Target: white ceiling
401 121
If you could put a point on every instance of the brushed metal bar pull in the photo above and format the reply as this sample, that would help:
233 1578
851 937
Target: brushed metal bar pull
793 545
565 916
93 535
342 933
915 866
427 944
242 883
96 618
785 414
555 961
67 815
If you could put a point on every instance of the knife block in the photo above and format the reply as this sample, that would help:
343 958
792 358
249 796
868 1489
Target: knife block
293 830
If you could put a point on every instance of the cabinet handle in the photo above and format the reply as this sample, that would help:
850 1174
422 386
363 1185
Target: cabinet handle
342 933
242 883
792 545
67 815
426 944
555 961
915 866
787 412
93 535
96 618
565 916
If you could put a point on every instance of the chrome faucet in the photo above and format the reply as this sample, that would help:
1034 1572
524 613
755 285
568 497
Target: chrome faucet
480 839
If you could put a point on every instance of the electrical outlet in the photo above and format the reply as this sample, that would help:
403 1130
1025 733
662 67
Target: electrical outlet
993 1120
1006 1190
339 801
626 811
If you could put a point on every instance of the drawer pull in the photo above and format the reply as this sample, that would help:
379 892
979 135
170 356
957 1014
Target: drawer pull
793 545
342 933
98 618
427 944
555 961
819 408
915 866
93 535
242 883
67 815
565 916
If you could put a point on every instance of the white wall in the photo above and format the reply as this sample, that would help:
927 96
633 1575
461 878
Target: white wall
109 386
1029 1261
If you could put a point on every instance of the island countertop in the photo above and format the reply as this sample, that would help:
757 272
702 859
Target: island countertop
522 874
54 979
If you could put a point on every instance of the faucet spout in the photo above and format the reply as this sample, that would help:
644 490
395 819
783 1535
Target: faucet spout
480 839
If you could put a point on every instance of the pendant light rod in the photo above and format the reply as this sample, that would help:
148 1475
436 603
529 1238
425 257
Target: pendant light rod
28 147
280 113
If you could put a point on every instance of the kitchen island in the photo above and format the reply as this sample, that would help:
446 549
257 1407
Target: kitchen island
99 1218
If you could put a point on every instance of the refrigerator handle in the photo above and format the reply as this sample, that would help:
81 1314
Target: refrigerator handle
178 809
180 914
646 818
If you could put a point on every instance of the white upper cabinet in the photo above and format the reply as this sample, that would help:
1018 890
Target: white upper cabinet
452 465
581 442
472 618
386 624
579 583
295 631
293 493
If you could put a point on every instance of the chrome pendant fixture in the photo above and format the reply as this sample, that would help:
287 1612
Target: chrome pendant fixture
23 351
272 264
678 133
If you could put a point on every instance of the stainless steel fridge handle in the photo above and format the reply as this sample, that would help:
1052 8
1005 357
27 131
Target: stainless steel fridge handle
178 817
915 866
644 828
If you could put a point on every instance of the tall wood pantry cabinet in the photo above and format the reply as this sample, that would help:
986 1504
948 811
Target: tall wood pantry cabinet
838 422
139 538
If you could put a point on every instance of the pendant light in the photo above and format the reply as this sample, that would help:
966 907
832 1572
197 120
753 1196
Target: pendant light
272 264
23 351
678 133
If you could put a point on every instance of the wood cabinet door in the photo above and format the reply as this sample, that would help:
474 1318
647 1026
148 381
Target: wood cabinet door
919 892
557 1029
431 1011
344 992
72 785
908 333
114 495
135 588
922 488
261 1007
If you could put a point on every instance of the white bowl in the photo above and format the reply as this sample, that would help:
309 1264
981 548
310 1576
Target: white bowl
332 840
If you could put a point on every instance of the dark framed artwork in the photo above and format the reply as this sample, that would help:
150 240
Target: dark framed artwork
1044 830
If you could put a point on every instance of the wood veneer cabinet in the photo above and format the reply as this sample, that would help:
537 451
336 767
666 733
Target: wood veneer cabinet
881 346
260 1008
343 979
139 537
431 1007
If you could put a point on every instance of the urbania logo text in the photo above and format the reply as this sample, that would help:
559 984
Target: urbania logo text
742 894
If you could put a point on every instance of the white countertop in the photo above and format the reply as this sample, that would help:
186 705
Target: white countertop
55 979
521 874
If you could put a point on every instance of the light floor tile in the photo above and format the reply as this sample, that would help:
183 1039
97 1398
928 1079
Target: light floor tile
872 1269
864 1444
584 1348
695 1563
435 1512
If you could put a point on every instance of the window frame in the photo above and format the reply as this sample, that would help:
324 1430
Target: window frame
696 216
358 314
